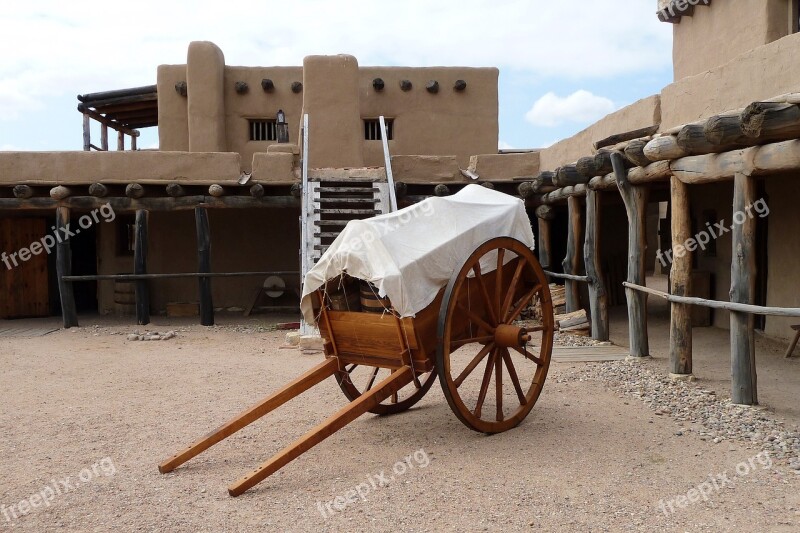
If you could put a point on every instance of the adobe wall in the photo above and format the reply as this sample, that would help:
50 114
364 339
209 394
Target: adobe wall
55 168
767 71
205 67
259 104
330 98
640 114
173 112
172 245
718 33
783 279
449 122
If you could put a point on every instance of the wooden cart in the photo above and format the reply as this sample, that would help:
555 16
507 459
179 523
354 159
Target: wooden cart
472 324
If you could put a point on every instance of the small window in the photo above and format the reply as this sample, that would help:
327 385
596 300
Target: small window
126 235
372 129
263 130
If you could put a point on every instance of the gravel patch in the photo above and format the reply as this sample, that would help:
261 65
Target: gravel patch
701 411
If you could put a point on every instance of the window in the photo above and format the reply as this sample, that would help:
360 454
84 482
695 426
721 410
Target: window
372 129
263 130
126 235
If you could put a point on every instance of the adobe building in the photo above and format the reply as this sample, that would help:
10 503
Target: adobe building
229 164
704 174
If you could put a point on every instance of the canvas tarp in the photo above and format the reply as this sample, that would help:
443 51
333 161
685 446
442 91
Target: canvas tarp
410 254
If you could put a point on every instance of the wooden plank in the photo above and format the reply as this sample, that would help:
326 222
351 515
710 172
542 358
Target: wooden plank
743 289
680 335
571 263
626 136
140 267
204 265
598 297
635 198
545 215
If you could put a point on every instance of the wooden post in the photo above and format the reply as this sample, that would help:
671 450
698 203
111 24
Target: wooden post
104 137
133 143
598 297
680 332
64 268
545 216
571 262
204 265
635 198
87 133
120 141
743 285
140 267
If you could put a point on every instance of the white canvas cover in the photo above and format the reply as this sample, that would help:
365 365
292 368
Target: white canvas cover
409 255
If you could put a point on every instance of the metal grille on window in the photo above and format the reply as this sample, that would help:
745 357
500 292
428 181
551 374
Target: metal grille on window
372 130
263 130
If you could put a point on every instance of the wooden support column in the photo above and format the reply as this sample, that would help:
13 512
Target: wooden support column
598 297
680 332
204 265
64 268
133 143
140 267
743 289
545 216
104 137
87 133
120 141
571 262
635 198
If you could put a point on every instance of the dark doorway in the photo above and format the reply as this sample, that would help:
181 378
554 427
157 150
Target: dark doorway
84 263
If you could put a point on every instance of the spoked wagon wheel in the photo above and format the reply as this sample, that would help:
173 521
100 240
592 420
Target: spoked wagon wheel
478 330
357 379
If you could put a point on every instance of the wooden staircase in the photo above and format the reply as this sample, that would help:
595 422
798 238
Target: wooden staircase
332 197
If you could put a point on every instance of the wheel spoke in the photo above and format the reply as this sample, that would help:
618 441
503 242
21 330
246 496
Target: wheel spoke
394 397
514 378
458 344
352 367
528 355
498 288
487 375
521 304
475 318
498 380
372 379
472 364
487 302
512 288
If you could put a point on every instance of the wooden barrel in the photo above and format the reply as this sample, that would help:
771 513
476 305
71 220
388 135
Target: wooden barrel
124 298
370 302
342 293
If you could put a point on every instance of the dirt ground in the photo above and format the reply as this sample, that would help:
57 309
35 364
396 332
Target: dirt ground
92 414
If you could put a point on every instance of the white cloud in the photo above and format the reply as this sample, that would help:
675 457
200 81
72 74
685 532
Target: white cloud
9 148
581 106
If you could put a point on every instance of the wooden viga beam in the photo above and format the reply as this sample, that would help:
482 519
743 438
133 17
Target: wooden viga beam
754 161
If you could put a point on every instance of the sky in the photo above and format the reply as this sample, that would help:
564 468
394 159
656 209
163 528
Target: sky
563 64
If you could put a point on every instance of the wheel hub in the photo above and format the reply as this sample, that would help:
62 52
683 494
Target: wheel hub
509 336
